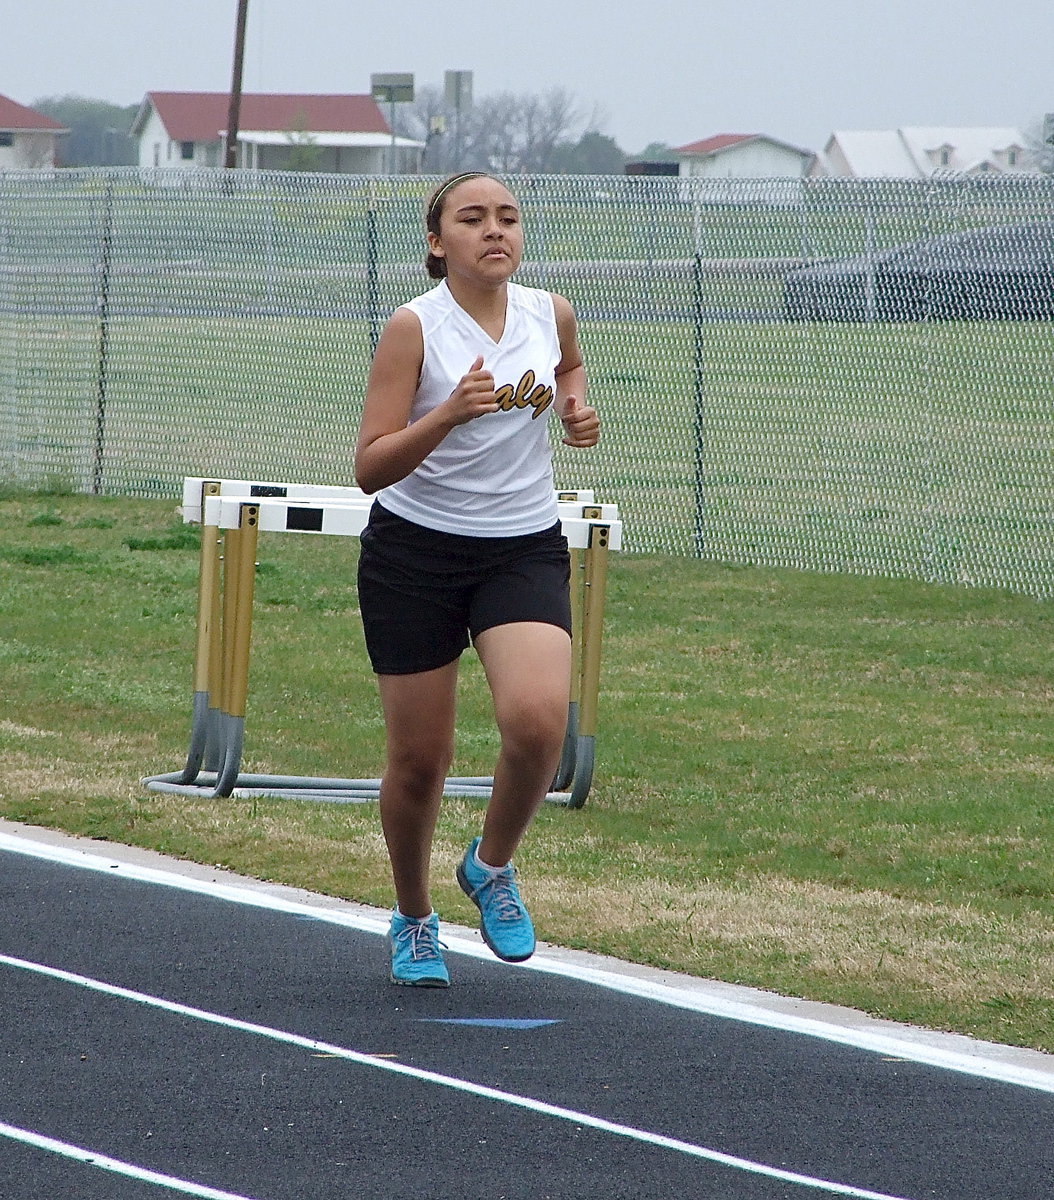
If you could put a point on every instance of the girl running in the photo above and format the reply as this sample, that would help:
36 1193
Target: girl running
464 547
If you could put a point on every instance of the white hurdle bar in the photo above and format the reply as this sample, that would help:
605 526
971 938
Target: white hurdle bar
232 513
196 488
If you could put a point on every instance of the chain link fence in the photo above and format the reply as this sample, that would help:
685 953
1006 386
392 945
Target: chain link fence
833 375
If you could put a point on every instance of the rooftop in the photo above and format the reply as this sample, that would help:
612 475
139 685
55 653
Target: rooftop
15 116
202 116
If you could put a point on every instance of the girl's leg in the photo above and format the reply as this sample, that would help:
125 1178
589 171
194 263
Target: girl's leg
419 713
528 666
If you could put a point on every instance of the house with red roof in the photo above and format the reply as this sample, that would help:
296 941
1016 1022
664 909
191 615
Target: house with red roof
338 134
751 167
743 156
28 139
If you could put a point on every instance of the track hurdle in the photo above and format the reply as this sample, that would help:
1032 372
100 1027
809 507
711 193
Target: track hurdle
232 513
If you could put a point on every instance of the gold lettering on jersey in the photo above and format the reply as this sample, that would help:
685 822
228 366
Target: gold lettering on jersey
526 394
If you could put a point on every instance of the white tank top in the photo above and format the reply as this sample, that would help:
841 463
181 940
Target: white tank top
493 476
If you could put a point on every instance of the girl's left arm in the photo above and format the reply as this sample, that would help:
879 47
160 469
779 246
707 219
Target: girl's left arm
580 421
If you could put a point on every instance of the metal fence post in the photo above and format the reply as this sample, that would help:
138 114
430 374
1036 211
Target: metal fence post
103 306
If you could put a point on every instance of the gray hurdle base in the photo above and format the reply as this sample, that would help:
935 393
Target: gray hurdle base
232 513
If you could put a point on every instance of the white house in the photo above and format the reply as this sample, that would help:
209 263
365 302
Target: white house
920 152
341 134
743 156
744 159
27 138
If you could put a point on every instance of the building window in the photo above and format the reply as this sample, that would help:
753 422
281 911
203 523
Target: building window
7 138
1011 157
186 150
946 156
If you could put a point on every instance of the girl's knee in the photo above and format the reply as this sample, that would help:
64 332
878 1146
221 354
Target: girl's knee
419 769
534 734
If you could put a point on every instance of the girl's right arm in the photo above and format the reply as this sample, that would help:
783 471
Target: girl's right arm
389 446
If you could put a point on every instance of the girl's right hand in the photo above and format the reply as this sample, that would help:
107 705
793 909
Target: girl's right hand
474 395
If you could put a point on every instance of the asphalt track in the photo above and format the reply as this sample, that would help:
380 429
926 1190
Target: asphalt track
167 1029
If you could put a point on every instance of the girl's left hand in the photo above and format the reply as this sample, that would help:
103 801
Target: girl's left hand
581 423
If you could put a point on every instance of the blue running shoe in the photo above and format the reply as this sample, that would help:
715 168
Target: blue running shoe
417 956
504 922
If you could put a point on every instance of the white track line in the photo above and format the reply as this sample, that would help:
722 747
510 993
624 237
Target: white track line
447 1081
114 1165
950 1052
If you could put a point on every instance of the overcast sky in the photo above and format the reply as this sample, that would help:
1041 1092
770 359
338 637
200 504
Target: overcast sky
673 73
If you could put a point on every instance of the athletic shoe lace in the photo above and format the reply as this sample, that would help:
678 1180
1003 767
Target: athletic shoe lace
422 939
503 896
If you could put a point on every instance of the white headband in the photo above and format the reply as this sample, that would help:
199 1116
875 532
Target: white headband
449 184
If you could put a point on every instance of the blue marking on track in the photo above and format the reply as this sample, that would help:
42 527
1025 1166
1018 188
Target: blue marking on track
490 1022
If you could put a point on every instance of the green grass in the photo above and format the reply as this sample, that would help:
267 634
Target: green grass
911 450
834 787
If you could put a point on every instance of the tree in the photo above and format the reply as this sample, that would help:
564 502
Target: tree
656 152
431 120
98 130
593 154
545 123
304 152
507 133
1042 151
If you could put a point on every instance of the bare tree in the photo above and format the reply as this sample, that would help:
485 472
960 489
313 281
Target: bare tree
427 120
496 137
549 121
505 132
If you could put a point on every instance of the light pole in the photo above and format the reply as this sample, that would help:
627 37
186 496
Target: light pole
392 88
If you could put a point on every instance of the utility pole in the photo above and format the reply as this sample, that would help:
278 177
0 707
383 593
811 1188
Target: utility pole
230 157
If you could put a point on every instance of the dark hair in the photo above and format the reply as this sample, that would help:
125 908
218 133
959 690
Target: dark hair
436 267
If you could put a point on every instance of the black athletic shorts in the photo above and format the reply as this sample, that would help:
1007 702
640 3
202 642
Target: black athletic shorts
424 595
